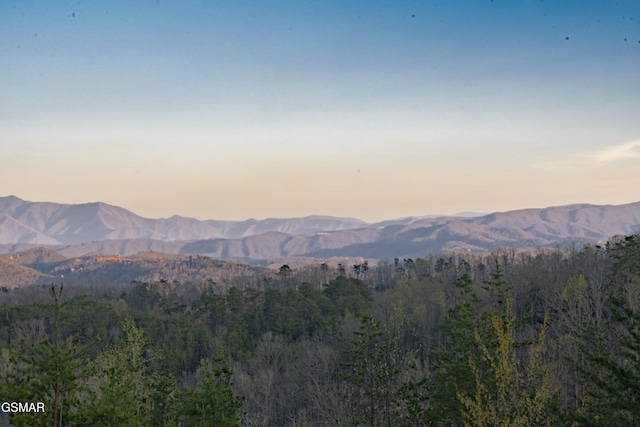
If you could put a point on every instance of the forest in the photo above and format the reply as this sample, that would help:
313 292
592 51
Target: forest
510 338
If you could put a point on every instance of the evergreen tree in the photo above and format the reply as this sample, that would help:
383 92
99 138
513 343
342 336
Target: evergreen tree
212 402
47 372
372 376
612 368
120 383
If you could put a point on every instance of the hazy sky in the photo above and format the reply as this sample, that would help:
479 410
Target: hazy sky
371 109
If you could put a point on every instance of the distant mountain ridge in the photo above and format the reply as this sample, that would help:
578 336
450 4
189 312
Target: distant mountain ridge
44 223
94 228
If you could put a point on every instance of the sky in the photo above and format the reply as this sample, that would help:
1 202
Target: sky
369 109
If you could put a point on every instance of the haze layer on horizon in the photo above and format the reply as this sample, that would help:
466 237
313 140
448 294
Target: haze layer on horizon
374 110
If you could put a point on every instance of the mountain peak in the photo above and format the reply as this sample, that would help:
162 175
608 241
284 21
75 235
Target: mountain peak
96 226
87 222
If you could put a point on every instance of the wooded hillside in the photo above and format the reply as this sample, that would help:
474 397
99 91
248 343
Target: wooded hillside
510 339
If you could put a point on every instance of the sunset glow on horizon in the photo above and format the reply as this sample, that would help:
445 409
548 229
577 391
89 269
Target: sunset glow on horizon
374 110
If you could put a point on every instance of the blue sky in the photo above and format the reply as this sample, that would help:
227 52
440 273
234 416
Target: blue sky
375 109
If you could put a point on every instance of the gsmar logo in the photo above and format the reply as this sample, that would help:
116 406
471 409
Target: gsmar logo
22 407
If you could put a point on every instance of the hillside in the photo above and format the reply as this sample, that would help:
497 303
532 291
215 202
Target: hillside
13 275
530 228
97 228
43 266
53 223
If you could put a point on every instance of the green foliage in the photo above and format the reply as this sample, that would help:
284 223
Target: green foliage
497 286
349 295
509 392
451 370
426 350
626 255
372 374
609 363
119 383
614 376
573 293
212 402
47 372
384 388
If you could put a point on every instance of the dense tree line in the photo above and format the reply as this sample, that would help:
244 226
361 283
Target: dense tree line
505 339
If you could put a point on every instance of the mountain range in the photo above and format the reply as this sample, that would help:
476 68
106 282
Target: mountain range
54 224
95 228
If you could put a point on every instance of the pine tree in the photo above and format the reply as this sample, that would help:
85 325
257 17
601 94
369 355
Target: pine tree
47 372
212 402
120 383
372 375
